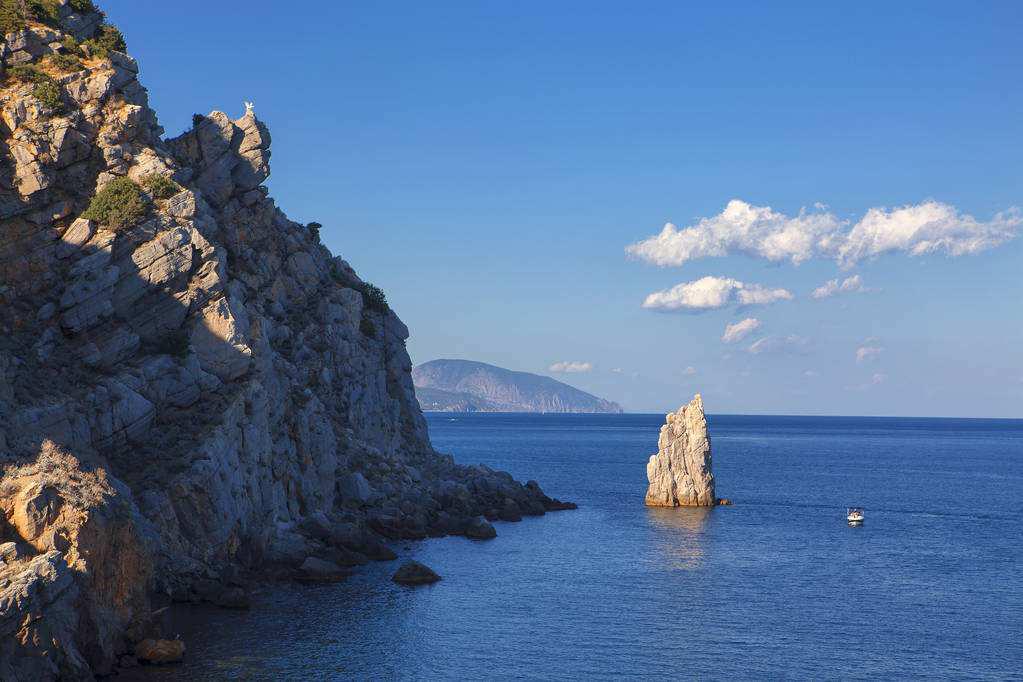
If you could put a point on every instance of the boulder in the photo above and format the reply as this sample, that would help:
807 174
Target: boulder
160 651
9 552
680 473
415 573
480 529
321 570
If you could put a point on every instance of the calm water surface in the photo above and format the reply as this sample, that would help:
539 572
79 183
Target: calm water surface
777 586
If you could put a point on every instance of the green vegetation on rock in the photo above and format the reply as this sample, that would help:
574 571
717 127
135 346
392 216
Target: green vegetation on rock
367 327
16 14
83 6
373 298
119 205
108 38
65 62
13 16
160 186
45 89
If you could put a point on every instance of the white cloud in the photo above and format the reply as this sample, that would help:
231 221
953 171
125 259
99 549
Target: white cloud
848 285
689 371
711 293
761 232
571 367
617 370
779 344
878 378
740 330
868 353
811 374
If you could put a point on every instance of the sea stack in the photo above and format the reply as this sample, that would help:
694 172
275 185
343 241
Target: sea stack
680 473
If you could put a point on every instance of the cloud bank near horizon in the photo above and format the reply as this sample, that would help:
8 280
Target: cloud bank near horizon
761 232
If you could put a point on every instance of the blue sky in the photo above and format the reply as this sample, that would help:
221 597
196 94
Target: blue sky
488 163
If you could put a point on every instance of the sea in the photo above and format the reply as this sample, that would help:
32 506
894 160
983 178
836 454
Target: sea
776 586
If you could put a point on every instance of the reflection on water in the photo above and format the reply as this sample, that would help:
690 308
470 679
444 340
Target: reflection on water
679 534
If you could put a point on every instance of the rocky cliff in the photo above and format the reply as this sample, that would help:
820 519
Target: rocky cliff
680 474
193 390
466 386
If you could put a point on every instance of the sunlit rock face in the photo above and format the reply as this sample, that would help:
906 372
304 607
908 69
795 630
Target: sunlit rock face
680 474
191 384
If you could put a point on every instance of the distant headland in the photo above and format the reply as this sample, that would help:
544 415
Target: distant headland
467 386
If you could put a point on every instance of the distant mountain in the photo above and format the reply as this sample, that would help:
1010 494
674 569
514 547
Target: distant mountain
466 386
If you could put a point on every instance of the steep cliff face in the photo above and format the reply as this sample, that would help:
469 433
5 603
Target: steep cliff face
680 474
189 381
467 386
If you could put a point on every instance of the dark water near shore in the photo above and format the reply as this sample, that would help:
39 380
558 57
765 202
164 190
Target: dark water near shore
777 586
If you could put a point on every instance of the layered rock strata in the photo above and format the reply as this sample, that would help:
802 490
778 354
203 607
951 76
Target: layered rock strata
193 390
680 474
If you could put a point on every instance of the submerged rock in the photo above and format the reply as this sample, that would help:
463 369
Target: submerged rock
415 573
680 473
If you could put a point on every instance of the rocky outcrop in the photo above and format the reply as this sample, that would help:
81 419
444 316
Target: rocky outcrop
680 474
193 390
414 573
467 386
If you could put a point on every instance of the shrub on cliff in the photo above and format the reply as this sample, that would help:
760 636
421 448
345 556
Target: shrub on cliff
108 38
65 63
120 204
160 186
314 230
373 298
83 6
14 15
367 327
45 89
46 11
48 92
24 74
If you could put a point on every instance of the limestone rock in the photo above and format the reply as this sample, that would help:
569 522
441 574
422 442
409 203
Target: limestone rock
205 390
680 474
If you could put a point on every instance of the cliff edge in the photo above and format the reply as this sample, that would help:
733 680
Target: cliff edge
193 390
680 474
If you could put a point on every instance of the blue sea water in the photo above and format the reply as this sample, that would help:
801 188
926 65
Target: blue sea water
776 586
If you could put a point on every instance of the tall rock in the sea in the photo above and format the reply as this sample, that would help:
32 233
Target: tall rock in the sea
193 389
680 474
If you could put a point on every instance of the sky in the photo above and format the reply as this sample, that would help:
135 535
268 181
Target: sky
840 180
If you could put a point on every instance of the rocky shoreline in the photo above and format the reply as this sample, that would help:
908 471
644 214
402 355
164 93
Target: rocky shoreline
195 394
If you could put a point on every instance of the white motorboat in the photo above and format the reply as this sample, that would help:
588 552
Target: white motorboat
854 514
